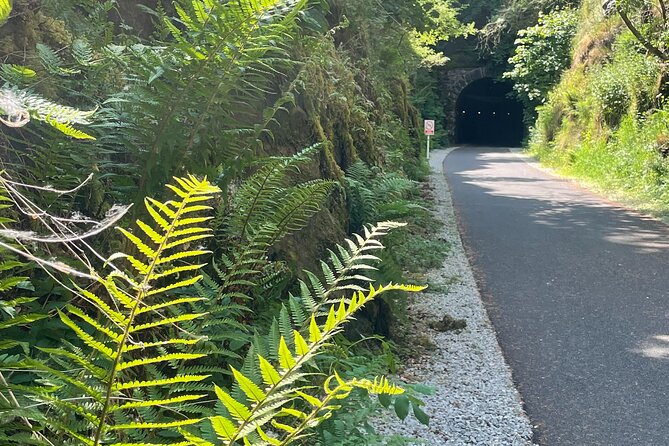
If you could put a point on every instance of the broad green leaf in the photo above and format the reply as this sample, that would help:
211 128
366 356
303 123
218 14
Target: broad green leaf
421 416
402 404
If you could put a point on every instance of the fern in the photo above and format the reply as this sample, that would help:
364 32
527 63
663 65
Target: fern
20 106
248 417
346 269
128 336
271 380
375 196
212 75
265 198
16 312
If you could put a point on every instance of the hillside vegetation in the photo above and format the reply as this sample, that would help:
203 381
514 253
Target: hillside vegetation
193 198
605 119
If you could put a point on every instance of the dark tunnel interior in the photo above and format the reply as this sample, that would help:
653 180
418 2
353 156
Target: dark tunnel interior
488 115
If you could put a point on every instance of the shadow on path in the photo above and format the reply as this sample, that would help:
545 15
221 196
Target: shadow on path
577 289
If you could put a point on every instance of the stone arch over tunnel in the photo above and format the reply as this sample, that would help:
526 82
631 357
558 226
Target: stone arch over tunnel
487 114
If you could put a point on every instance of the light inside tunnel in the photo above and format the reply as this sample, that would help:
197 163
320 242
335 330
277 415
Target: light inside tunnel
489 115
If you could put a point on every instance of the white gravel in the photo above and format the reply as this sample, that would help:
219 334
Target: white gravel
475 401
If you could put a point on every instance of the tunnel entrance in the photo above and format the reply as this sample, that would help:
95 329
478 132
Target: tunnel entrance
487 115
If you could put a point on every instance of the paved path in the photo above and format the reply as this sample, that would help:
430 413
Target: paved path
578 291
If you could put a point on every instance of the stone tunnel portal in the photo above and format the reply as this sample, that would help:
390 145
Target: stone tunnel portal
486 114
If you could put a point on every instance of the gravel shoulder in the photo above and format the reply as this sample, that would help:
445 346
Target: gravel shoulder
475 401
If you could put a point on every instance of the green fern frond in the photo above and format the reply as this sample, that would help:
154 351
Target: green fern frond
266 404
347 267
258 198
68 130
127 342
269 383
43 109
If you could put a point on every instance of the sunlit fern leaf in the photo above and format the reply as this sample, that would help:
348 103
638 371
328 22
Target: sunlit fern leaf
263 405
126 372
16 74
68 130
347 267
293 343
5 10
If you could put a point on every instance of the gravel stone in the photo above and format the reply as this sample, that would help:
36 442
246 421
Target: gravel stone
475 401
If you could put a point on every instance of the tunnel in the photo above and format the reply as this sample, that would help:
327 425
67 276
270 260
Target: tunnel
487 114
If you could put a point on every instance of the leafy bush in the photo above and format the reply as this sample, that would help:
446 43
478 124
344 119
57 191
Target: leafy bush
627 81
606 120
121 381
542 53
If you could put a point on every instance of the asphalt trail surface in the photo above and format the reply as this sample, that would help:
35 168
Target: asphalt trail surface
578 291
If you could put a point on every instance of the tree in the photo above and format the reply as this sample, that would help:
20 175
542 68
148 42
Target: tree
542 53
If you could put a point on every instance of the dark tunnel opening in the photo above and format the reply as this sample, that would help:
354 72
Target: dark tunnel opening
488 115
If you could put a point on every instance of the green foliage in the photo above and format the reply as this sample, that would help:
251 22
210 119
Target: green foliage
121 381
606 122
647 22
265 203
374 195
512 16
542 53
189 105
442 25
625 82
5 10
217 87
20 106
427 99
247 420
106 383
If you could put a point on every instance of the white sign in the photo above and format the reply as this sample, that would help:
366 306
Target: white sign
429 127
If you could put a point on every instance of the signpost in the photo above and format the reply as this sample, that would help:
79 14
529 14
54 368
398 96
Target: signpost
429 131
